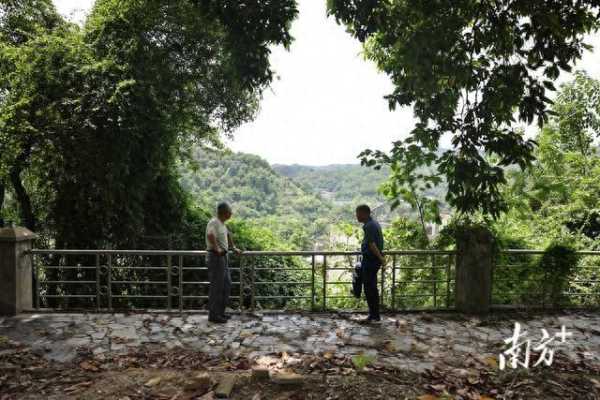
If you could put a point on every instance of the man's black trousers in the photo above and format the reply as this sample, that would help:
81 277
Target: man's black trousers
369 276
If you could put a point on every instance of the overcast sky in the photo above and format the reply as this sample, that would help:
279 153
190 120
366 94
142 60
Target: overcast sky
326 104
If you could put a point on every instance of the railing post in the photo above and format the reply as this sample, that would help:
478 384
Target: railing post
312 287
253 295
382 291
98 282
448 269
180 290
36 283
324 282
16 274
241 256
109 282
434 277
169 283
544 285
393 294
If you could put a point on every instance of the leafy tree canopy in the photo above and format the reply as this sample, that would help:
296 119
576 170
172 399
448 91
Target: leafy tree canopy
92 119
557 199
471 70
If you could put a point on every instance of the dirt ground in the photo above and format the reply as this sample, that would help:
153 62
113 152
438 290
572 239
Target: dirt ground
157 373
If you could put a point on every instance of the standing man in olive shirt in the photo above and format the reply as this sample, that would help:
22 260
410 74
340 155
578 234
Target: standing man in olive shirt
372 259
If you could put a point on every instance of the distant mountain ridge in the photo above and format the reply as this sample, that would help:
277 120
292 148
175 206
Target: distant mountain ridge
299 203
343 184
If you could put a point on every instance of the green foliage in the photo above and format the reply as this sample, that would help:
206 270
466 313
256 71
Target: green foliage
558 265
407 182
557 198
360 361
93 119
343 184
349 185
259 195
405 233
468 69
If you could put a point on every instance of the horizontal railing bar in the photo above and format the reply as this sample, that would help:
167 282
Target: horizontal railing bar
542 293
138 296
66 296
283 269
424 268
443 281
343 253
525 251
203 283
69 282
282 283
56 267
284 297
533 267
117 267
196 253
338 283
204 297
581 294
139 282
517 293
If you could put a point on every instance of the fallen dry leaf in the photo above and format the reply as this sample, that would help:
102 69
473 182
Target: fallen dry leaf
389 346
491 361
427 397
89 366
153 382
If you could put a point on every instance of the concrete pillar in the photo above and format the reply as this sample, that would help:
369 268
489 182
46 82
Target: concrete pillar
474 252
16 292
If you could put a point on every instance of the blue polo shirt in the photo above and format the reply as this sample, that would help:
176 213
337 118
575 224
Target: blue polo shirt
372 233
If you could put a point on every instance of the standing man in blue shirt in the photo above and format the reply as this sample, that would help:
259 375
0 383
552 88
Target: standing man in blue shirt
372 259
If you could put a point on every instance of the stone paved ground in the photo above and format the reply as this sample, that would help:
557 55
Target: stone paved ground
413 342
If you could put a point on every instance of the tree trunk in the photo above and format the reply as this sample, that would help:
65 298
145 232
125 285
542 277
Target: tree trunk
474 258
2 193
27 216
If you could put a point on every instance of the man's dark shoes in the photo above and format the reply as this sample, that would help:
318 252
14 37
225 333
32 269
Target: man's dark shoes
217 320
227 316
370 320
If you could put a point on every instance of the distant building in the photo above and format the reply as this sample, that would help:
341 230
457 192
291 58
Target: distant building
434 229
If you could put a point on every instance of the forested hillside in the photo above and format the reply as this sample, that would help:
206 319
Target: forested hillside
342 183
302 205
347 185
258 194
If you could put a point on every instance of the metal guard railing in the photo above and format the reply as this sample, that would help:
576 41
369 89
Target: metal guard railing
521 279
178 280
